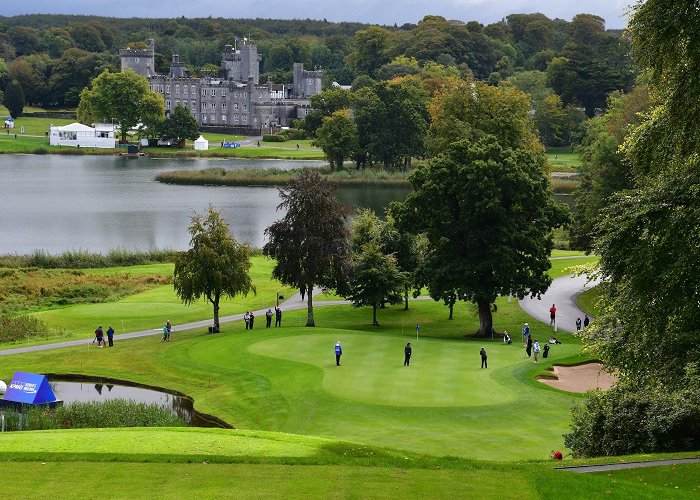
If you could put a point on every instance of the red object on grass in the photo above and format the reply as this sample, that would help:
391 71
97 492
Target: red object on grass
557 455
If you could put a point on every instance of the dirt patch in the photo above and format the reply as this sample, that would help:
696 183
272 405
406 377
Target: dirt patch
580 378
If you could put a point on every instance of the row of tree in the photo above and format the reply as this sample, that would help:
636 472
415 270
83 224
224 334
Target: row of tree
476 226
55 57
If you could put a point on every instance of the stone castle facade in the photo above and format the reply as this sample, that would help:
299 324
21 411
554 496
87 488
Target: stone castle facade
233 100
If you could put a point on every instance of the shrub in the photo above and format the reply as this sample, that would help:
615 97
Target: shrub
113 413
81 259
295 134
274 138
21 328
628 420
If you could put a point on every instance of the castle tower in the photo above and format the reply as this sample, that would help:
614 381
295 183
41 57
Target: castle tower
177 68
141 61
306 83
239 65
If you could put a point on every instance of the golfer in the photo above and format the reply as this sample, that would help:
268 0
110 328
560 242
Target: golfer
338 353
407 354
484 363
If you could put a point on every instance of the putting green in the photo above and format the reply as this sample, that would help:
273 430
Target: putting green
442 372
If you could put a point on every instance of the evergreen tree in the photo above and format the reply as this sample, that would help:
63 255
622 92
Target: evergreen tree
14 99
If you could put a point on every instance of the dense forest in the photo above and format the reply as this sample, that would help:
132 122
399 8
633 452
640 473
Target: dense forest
565 66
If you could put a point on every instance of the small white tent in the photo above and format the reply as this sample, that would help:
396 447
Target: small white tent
201 144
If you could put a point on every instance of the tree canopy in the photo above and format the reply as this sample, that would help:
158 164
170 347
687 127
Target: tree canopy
123 98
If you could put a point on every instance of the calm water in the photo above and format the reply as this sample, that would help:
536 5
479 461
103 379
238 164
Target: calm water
97 203
71 392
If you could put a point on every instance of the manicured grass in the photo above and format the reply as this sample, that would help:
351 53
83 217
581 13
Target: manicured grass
683 477
151 308
286 379
563 159
588 301
561 267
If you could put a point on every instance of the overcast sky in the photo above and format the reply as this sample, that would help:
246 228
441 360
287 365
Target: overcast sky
367 11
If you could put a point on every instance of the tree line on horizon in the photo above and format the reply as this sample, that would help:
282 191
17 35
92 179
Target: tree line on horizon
580 62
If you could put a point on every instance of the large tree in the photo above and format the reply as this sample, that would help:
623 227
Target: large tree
13 99
215 265
310 243
337 137
483 201
120 97
179 126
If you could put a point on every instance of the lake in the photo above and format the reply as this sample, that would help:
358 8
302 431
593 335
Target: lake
96 203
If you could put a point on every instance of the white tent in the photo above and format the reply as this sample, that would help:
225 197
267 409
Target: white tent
201 144
82 136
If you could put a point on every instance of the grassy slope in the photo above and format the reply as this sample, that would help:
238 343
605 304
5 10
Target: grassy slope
588 301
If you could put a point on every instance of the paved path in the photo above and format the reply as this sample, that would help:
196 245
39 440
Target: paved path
562 292
583 469
292 303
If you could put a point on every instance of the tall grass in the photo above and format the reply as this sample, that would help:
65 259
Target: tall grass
563 186
278 177
79 415
22 327
82 259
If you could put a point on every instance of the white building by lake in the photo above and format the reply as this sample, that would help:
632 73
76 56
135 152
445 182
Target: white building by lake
81 136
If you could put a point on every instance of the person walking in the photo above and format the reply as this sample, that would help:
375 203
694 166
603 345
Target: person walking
302 292
252 319
407 354
268 318
165 333
110 336
484 363
578 323
99 336
246 318
586 321
528 346
338 353
552 315
278 317
536 349
526 334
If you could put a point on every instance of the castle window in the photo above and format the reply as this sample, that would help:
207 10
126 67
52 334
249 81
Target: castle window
136 59
245 107
235 105
213 117
204 106
204 117
213 92
235 94
177 90
167 104
204 92
223 118
223 93
167 89
235 117
184 89
194 90
223 106
244 118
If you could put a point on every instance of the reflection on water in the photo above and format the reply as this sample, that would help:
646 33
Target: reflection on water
97 203
180 406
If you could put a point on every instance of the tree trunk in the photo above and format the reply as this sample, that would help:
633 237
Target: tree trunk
374 315
310 306
215 302
485 317
405 299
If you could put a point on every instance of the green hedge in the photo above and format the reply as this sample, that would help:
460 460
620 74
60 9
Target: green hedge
275 138
624 421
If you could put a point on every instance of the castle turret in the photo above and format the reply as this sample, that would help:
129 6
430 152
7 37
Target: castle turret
239 65
141 61
306 83
177 68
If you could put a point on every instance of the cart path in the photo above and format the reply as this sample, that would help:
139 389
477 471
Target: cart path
563 293
584 469
292 303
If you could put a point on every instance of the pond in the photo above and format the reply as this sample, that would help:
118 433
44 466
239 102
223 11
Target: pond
96 203
100 391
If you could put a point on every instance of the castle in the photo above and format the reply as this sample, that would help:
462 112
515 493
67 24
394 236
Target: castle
233 100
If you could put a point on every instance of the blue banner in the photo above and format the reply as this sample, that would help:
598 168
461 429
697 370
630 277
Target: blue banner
29 388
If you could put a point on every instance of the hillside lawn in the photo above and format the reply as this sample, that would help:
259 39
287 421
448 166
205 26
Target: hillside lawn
563 159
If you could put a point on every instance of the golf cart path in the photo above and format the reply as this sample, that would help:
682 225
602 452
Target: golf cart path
563 293
629 465
292 303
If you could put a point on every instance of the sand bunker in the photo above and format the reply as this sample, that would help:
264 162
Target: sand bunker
580 378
